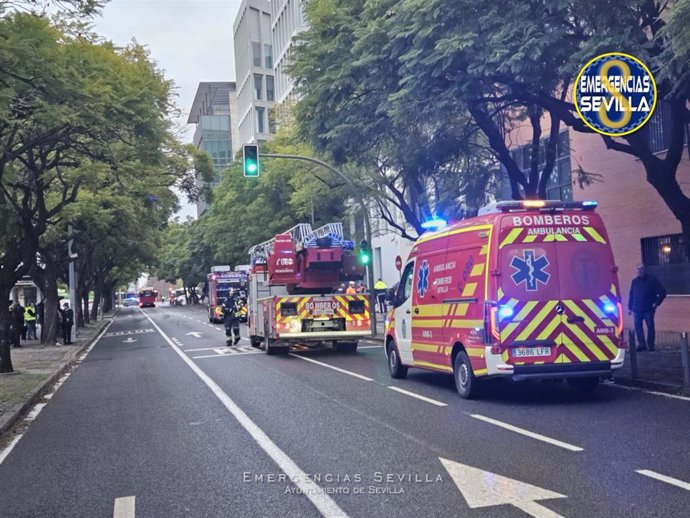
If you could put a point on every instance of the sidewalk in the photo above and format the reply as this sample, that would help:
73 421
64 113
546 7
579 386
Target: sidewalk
36 368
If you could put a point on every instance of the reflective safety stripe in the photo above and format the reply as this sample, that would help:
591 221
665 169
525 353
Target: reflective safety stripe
596 235
511 237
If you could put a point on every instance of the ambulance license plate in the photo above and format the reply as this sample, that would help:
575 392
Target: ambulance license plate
531 352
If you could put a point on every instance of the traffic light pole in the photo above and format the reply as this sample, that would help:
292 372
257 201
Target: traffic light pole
358 197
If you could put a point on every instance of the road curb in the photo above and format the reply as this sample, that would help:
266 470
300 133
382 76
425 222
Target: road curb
8 422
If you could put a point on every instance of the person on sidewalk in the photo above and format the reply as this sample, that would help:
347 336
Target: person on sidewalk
16 324
30 319
646 294
380 290
67 323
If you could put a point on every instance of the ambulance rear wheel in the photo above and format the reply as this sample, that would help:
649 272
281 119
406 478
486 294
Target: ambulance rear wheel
396 369
583 385
465 381
255 341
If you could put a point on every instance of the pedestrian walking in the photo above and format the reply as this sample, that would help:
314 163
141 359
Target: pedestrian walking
380 290
30 319
67 323
232 312
646 294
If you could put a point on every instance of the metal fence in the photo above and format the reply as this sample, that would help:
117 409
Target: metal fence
669 364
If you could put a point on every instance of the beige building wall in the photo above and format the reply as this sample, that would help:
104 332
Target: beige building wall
631 210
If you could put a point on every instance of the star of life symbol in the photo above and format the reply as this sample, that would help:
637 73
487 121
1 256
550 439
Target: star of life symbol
530 270
423 278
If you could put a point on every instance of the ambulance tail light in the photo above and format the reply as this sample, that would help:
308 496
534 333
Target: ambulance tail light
619 327
493 320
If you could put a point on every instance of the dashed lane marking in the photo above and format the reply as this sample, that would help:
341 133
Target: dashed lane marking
418 396
315 493
664 478
328 366
527 433
124 507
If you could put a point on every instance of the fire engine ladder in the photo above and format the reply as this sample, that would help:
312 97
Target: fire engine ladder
300 234
332 231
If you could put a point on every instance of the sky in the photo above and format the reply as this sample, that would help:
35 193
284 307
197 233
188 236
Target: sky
190 39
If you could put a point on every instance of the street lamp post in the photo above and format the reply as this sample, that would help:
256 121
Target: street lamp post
367 226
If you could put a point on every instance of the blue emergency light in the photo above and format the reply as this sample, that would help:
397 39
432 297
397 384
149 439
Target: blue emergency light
434 223
505 312
610 308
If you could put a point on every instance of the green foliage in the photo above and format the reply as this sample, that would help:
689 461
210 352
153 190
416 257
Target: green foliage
355 108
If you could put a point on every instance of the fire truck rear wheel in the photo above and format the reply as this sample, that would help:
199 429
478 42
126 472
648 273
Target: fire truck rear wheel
396 369
465 382
255 341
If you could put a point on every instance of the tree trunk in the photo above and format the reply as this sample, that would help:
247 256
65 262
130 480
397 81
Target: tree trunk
5 353
663 178
85 307
98 293
108 298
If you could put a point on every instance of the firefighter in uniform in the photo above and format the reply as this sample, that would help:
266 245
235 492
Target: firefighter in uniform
231 318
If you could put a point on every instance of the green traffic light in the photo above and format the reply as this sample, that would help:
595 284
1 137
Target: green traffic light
251 167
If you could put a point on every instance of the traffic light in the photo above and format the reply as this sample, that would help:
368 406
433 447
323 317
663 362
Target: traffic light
250 160
364 253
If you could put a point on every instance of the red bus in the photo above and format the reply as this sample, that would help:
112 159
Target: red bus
147 298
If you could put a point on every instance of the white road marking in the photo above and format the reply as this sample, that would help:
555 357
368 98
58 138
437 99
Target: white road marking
195 334
369 347
10 447
349 373
124 507
527 433
418 396
324 503
653 392
35 411
664 478
485 489
227 355
129 341
15 441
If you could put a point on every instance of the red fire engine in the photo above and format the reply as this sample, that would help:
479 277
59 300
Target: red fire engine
292 286
220 281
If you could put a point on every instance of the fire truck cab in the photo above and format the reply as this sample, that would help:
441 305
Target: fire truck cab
526 291
291 295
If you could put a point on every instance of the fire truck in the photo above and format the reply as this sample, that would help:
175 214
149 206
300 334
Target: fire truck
292 286
220 281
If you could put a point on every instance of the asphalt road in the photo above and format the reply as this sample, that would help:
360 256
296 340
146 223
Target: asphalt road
162 420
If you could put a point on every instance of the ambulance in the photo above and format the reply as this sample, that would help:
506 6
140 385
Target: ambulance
528 290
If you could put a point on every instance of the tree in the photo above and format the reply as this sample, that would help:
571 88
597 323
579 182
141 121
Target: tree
66 105
509 62
348 73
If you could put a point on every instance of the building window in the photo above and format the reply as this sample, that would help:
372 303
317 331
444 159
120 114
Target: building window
560 186
261 120
303 13
258 87
657 131
665 258
256 53
270 89
268 55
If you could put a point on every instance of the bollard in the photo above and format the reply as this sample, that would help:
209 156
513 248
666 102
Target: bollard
632 347
685 358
